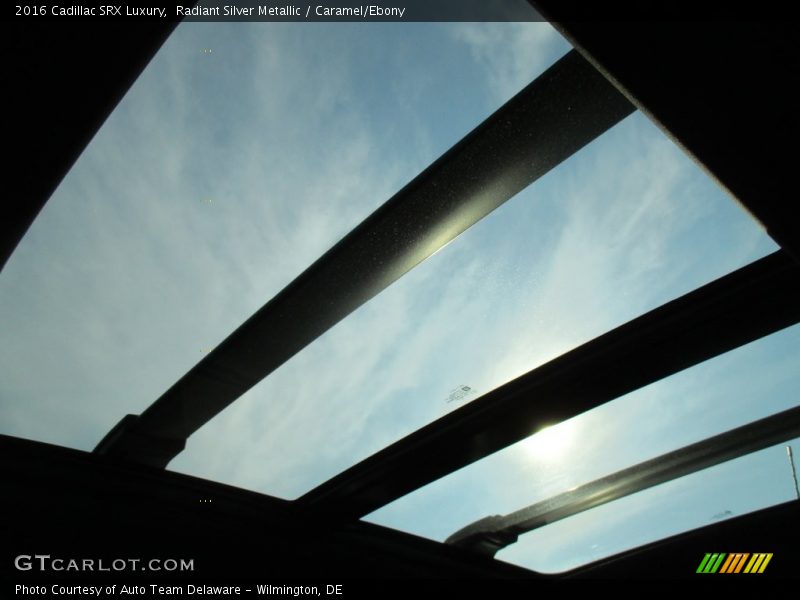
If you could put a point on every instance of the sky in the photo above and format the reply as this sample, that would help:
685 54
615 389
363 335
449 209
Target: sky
246 150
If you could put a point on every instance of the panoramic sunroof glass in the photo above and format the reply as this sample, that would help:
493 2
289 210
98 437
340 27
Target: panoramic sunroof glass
736 388
626 224
242 153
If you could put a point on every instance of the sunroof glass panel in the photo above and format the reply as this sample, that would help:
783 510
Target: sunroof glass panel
746 384
242 153
623 226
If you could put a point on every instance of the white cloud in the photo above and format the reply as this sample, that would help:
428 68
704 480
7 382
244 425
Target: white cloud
512 54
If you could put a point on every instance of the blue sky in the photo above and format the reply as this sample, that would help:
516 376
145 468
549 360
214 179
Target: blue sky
246 150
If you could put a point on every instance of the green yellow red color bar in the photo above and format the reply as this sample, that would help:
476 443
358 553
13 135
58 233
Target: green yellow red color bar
734 562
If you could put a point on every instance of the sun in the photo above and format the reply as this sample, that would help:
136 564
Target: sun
550 444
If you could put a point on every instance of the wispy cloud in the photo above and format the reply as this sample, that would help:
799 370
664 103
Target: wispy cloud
511 54
219 178
570 258
612 233
192 207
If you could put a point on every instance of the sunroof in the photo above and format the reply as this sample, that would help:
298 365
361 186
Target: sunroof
243 152
623 226
246 151
734 389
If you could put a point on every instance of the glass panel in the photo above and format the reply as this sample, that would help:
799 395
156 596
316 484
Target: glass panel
736 388
623 226
242 153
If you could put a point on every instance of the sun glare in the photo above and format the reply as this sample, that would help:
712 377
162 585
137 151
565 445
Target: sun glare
551 443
